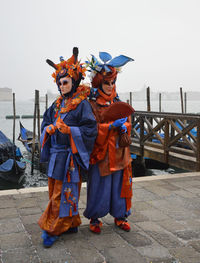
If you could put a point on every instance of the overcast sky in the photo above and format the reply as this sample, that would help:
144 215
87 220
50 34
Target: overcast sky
162 36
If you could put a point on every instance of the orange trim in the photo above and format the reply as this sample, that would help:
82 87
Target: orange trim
73 145
126 191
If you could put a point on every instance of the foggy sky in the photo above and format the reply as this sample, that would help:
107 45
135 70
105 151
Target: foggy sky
162 36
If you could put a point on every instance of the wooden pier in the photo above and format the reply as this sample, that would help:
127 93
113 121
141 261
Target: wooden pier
167 137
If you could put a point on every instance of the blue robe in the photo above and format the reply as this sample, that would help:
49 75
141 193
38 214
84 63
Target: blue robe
57 151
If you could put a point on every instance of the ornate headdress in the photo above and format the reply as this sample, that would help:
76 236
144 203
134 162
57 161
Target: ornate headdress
71 67
106 70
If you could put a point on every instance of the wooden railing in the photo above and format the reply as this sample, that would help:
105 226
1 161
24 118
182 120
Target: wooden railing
167 137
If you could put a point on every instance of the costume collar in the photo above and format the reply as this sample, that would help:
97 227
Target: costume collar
104 99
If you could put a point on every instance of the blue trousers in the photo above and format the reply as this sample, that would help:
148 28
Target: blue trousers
103 195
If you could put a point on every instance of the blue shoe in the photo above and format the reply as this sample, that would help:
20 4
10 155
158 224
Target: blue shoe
47 239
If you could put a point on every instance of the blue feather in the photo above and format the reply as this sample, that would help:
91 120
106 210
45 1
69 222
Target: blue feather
106 68
104 56
96 62
119 61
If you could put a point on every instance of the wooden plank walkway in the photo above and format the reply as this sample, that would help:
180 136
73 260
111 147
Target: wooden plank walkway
167 137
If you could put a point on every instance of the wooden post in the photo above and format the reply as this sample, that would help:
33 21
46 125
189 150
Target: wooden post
181 95
131 98
38 118
160 102
141 137
166 142
46 105
14 117
34 130
148 99
185 99
198 148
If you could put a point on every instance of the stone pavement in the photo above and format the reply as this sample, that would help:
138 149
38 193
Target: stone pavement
165 226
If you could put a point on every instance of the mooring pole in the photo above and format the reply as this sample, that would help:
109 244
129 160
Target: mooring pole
34 128
14 117
181 94
148 99
185 99
46 105
131 98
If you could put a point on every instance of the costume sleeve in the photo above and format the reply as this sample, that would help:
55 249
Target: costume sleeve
45 138
84 135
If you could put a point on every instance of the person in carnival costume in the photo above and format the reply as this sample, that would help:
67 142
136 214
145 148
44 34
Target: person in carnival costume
109 187
68 135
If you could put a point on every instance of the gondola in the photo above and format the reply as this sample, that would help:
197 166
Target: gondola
12 171
11 168
26 137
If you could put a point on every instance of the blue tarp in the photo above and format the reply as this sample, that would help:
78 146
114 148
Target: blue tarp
7 149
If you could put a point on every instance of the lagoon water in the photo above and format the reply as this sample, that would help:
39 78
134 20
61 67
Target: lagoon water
27 108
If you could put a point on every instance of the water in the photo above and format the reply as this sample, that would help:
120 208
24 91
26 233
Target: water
27 108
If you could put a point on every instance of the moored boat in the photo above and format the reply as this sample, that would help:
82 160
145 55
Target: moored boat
11 168
12 171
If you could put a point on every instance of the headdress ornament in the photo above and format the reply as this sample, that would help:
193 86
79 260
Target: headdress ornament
97 66
71 67
107 70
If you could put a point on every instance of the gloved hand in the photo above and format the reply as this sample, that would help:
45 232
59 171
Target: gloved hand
62 127
118 123
123 129
51 129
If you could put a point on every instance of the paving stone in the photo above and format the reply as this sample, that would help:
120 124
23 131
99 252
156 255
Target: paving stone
14 240
163 260
7 203
29 211
12 225
181 215
150 226
154 215
43 205
188 234
158 190
165 205
195 244
172 225
143 195
194 190
27 202
22 196
140 206
32 228
185 254
165 239
27 255
136 239
104 241
155 251
84 252
170 187
41 195
165 226
30 219
124 254
54 255
8 213
185 193
191 224
138 217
